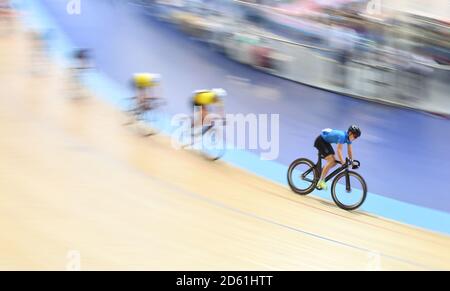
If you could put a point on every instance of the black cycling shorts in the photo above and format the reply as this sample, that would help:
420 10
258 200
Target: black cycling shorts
324 147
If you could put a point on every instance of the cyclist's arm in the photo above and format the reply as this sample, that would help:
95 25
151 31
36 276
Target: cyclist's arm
221 108
339 152
150 94
350 152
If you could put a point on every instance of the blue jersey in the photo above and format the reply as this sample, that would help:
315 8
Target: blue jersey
335 136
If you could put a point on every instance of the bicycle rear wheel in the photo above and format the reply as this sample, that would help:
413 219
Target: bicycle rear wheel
349 190
303 176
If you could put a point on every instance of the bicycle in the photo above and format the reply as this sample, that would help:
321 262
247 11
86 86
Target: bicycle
147 116
310 175
208 139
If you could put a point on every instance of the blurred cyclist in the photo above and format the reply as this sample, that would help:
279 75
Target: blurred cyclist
323 144
82 59
81 64
207 100
144 83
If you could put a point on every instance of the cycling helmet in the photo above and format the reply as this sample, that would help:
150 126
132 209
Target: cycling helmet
355 130
221 93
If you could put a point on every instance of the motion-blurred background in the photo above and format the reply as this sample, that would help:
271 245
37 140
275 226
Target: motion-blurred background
384 50
381 64
75 178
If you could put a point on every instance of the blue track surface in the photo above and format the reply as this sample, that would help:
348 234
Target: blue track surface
403 152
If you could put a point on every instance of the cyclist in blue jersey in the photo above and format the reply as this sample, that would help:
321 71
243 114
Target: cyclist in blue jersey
324 144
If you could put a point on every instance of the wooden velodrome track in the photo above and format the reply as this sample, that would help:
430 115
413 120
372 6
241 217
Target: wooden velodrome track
72 178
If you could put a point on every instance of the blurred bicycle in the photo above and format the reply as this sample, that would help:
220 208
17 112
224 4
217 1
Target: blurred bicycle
208 139
144 109
207 131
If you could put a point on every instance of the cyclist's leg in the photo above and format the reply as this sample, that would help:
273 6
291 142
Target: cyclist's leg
331 163
204 113
213 116
141 96
325 150
207 119
153 100
200 112
147 99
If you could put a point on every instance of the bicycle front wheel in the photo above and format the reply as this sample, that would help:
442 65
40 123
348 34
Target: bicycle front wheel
214 143
303 176
349 190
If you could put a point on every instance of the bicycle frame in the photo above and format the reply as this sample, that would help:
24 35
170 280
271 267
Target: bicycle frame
318 167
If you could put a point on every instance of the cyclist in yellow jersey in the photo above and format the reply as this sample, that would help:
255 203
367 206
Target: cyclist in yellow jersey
207 99
143 84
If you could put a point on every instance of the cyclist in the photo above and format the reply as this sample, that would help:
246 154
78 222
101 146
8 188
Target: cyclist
79 68
324 144
207 100
144 83
82 59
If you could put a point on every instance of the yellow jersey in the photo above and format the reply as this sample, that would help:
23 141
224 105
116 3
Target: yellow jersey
144 80
203 98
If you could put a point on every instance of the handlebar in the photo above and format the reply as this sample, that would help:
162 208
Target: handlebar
353 163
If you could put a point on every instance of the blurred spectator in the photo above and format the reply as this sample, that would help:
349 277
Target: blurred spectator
369 42
414 69
262 56
342 41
